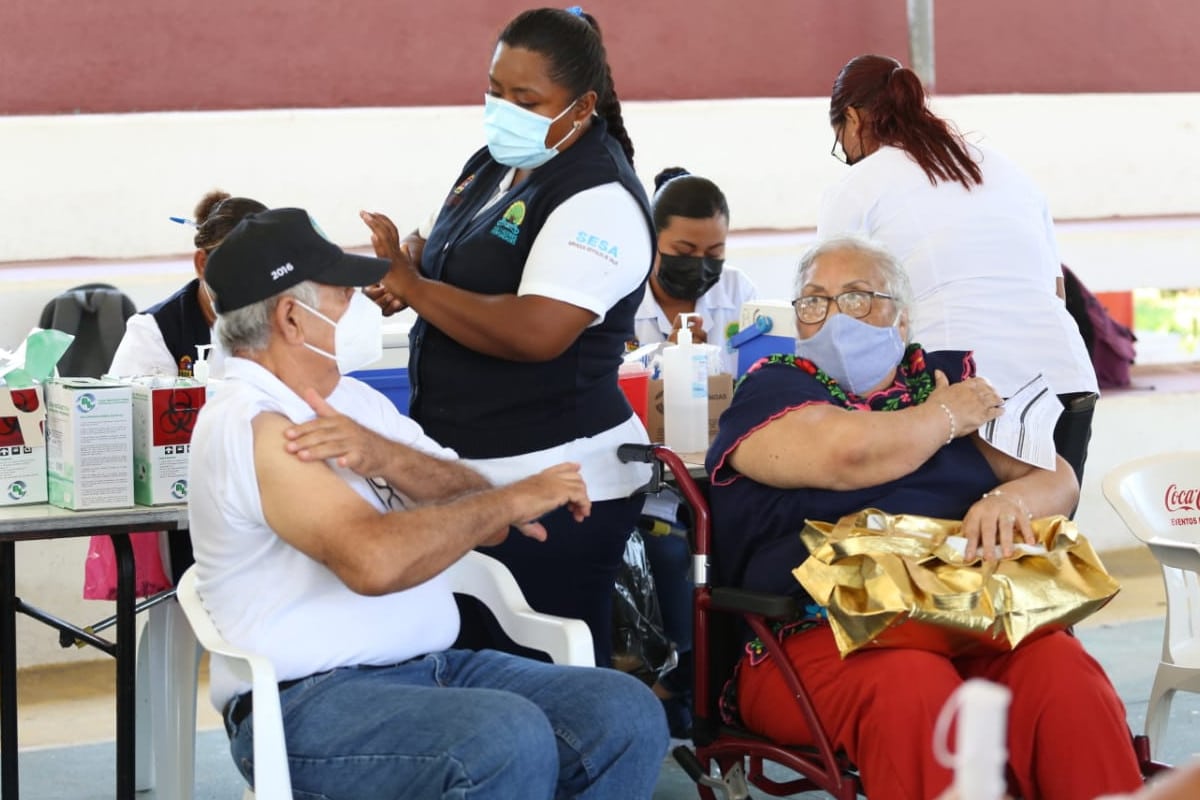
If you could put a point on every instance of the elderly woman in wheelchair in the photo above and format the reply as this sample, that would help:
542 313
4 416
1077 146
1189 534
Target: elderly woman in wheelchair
860 418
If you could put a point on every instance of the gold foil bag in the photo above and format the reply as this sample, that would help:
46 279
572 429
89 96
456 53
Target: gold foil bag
901 581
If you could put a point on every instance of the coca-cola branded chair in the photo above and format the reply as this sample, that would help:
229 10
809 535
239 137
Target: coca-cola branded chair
1158 498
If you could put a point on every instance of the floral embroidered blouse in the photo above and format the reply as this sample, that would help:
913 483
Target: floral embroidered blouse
756 527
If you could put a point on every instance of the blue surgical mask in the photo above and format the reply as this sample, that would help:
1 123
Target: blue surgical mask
856 354
516 137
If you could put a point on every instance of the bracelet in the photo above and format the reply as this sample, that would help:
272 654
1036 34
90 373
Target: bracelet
1020 503
953 428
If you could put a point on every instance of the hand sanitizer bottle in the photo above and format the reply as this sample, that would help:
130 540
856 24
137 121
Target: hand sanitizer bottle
200 365
685 393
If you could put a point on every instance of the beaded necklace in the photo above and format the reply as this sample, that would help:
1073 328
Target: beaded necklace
912 386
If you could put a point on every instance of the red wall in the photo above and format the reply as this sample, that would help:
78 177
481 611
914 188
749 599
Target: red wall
1067 46
68 56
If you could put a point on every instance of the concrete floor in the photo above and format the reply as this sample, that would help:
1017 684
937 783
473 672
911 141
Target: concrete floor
67 717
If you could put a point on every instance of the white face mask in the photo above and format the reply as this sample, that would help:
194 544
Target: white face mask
357 336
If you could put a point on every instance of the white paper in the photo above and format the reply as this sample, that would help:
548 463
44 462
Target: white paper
1025 430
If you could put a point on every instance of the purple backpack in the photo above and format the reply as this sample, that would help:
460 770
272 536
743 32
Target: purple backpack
1109 343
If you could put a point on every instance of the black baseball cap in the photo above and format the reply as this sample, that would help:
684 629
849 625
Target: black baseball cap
276 249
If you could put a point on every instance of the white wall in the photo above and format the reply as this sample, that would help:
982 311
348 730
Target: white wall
102 186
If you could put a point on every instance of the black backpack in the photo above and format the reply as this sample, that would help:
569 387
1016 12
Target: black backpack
1109 343
95 315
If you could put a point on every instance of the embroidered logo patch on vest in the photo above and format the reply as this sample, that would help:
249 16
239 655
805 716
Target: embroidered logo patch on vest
508 226
456 194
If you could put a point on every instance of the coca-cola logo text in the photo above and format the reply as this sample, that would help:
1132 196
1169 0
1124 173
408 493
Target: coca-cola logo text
1177 499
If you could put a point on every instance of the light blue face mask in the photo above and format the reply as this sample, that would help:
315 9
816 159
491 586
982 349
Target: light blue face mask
516 137
856 354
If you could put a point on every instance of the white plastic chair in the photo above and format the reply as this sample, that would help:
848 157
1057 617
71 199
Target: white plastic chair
567 641
168 665
271 776
1158 498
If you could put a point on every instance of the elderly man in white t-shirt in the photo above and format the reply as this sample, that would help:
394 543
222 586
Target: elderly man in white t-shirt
320 540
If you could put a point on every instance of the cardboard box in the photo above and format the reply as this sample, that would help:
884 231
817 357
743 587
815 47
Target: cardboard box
164 414
720 393
89 449
22 446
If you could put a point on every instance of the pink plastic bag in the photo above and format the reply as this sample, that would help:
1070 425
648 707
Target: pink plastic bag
100 569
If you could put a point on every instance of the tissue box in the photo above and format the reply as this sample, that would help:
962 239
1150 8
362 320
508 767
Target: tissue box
780 339
22 446
89 450
164 413
720 394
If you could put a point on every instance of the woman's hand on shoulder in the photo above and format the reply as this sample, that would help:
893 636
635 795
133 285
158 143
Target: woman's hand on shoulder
970 403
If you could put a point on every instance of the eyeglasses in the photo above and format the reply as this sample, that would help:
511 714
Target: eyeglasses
814 308
837 151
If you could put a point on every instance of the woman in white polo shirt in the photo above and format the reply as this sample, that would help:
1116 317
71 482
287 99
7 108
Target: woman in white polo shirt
973 232
691 222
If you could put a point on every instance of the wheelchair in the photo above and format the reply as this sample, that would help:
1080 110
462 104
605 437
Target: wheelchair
726 760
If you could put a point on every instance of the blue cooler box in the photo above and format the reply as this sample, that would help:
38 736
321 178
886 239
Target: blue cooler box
760 347
393 383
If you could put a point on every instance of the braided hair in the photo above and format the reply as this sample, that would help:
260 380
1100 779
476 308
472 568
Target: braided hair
571 43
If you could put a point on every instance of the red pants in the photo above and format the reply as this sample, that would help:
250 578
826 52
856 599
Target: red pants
1067 734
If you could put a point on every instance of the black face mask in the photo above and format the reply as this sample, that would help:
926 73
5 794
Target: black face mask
688 277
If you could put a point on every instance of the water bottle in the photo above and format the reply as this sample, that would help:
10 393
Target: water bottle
980 752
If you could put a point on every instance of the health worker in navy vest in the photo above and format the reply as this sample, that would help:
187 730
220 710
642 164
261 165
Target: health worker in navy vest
324 521
525 285
690 276
860 419
162 339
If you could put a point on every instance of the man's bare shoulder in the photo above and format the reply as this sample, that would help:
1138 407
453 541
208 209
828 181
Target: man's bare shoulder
270 444
267 424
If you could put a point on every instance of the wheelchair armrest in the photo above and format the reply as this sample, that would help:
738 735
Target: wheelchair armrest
771 606
641 453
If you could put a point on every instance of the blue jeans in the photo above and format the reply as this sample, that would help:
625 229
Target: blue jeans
467 724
